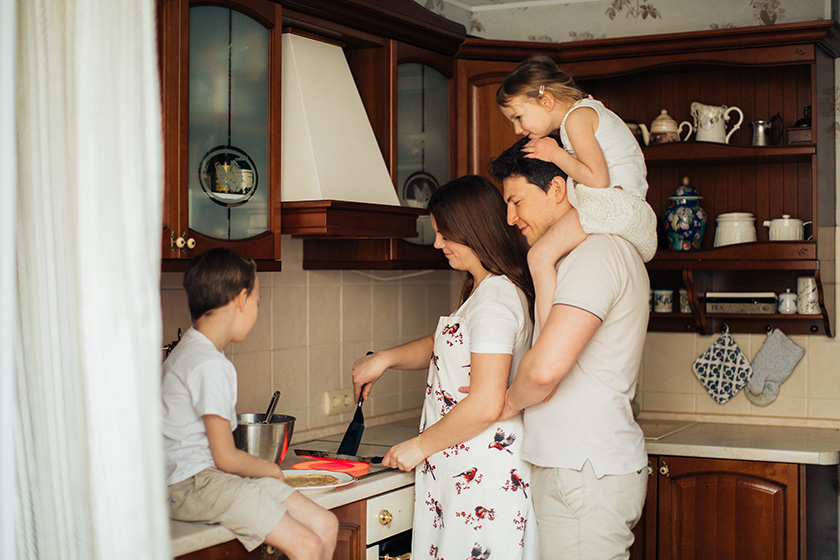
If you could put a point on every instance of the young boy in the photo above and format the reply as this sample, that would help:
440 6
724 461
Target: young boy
209 480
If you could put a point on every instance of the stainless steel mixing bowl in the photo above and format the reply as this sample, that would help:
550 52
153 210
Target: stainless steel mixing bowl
267 441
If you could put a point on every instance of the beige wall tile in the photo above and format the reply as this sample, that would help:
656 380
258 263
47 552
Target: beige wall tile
324 314
386 311
668 402
782 407
253 371
667 363
413 311
824 369
175 313
324 375
356 312
824 408
290 376
736 405
289 309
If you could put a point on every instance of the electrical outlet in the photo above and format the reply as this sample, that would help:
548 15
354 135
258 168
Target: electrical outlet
338 401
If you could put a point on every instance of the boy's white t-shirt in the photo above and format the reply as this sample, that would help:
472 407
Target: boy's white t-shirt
197 380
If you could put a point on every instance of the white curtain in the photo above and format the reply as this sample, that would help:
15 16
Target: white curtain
8 307
87 344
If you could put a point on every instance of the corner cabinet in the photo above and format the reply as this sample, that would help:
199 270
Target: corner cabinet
220 88
721 508
763 70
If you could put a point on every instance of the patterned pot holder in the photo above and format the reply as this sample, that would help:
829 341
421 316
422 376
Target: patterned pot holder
723 369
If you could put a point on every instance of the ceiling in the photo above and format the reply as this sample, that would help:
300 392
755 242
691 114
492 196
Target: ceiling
487 5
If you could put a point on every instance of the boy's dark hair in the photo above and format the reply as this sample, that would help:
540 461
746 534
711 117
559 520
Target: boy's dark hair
513 163
215 277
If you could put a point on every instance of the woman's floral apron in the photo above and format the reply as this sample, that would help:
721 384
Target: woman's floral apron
472 499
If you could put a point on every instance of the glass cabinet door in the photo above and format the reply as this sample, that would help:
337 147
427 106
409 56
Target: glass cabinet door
422 138
228 124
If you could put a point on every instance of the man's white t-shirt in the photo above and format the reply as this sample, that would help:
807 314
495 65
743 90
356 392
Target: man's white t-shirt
197 380
589 416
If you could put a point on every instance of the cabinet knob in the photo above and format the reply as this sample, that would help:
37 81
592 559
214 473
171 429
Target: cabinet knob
385 518
190 243
664 471
180 242
650 470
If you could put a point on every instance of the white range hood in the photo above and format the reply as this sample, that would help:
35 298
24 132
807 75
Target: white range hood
328 149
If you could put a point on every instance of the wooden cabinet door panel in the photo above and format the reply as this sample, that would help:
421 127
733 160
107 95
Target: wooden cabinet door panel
725 509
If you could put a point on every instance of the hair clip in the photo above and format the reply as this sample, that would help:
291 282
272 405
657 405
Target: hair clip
541 90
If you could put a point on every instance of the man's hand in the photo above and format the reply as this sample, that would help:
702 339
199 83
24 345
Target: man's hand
509 410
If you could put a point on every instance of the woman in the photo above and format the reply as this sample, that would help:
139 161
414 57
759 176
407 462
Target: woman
471 491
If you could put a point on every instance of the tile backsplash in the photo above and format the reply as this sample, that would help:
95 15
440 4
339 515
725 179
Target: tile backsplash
810 396
313 325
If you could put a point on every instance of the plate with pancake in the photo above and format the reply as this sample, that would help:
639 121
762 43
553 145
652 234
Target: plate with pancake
316 480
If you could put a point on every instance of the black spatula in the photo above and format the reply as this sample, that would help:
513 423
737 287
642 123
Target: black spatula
353 436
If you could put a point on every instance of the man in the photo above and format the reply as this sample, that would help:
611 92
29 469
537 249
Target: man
576 383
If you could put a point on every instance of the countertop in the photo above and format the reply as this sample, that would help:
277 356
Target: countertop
189 537
818 446
749 442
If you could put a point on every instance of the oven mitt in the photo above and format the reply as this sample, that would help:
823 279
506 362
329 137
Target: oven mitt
772 365
722 369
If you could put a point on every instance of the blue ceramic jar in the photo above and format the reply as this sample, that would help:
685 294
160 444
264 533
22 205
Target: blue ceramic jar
684 221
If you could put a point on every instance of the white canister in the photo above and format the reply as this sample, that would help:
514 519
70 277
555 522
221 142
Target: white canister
684 305
786 228
787 303
807 298
734 227
663 301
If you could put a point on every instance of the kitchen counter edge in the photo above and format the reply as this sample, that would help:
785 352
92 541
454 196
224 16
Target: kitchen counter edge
190 537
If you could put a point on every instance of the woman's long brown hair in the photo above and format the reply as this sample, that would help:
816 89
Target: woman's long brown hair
471 211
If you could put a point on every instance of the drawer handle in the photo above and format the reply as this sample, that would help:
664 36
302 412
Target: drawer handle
385 518
664 470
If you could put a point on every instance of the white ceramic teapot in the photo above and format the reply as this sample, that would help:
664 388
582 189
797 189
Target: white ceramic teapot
786 228
710 122
665 129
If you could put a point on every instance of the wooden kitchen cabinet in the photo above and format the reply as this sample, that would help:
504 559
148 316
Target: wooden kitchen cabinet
719 508
376 44
220 93
762 70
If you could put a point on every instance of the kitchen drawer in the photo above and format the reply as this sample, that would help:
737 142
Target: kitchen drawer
398 506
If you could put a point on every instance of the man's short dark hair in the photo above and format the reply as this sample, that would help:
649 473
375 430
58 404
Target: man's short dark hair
513 163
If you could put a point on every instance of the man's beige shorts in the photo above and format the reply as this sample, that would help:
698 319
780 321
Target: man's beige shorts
249 507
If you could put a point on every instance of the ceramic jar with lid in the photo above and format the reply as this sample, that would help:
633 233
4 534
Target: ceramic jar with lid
787 303
735 227
664 129
685 221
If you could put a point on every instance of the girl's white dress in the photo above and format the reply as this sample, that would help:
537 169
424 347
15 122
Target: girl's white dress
473 500
620 211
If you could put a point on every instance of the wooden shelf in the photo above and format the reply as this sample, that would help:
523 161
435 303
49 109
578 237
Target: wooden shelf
712 151
766 255
370 254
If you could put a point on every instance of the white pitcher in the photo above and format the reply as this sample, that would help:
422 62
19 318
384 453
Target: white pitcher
710 122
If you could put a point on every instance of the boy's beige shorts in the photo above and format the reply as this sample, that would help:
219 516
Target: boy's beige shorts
249 507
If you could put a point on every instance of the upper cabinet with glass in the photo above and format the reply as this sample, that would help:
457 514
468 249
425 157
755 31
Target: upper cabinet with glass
221 105
422 139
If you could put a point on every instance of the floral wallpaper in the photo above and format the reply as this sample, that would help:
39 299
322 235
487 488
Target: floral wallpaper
600 19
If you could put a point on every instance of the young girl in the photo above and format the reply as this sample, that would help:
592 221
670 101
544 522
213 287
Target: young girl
472 483
603 160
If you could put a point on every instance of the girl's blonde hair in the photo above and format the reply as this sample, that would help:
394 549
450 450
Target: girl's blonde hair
533 77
